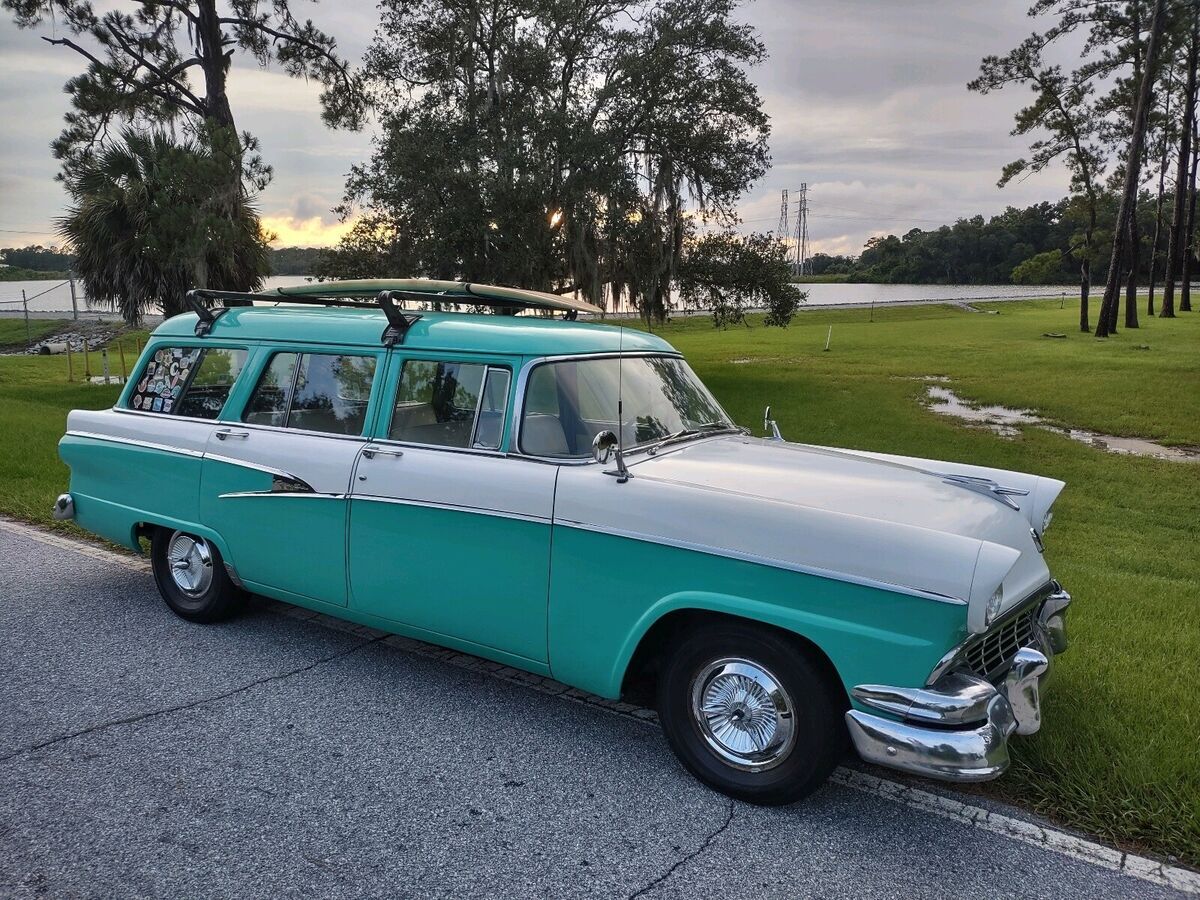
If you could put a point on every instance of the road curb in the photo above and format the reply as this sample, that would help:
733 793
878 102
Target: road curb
940 804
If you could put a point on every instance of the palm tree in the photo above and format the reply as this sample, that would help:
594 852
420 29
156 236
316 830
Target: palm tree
147 224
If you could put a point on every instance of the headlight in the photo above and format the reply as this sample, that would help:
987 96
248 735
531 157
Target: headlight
993 605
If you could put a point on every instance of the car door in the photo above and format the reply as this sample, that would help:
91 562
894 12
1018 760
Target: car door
275 479
447 534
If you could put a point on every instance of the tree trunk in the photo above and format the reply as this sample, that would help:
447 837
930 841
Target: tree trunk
1133 176
1176 245
1185 281
1157 230
214 63
1162 176
1135 254
1085 284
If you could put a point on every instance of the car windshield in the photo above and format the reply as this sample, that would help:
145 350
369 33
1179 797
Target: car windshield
656 398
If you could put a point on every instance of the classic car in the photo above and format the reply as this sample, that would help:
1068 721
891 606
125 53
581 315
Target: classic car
569 499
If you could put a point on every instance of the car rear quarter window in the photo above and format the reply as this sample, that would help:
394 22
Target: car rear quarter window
313 392
187 381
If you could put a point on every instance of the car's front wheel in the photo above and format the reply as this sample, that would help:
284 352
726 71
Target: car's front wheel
191 577
750 712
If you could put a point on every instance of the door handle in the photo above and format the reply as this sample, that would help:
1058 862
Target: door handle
225 433
372 452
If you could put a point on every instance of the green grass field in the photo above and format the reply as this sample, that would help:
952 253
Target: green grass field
1118 756
14 336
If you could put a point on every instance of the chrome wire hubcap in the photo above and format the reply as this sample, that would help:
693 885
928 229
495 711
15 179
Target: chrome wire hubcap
190 560
743 713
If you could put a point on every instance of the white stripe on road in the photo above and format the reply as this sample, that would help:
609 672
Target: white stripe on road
1051 839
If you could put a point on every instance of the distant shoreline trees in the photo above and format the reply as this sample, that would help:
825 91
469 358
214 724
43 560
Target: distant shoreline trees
1142 56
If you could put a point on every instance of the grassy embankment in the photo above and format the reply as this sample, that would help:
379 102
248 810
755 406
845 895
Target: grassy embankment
13 335
1118 756
15 273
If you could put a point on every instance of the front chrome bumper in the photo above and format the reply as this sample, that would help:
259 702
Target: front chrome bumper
958 728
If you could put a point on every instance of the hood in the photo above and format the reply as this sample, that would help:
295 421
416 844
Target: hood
840 481
920 524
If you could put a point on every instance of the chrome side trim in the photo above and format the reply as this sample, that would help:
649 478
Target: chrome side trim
136 442
246 464
298 494
763 560
451 507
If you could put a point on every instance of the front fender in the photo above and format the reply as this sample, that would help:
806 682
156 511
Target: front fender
599 614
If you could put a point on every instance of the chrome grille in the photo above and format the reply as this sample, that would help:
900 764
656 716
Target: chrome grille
990 654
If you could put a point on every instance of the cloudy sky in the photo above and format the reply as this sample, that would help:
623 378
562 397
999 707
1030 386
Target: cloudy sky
867 99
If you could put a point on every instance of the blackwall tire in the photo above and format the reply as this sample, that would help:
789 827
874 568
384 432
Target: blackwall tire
191 577
751 713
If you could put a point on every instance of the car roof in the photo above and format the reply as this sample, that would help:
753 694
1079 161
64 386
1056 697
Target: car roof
467 332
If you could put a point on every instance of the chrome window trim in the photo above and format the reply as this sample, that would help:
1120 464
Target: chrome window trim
948 661
774 563
454 507
487 368
477 451
138 442
523 385
487 373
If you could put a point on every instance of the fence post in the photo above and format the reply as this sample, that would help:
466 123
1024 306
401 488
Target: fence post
70 374
104 360
87 366
124 370
25 306
74 307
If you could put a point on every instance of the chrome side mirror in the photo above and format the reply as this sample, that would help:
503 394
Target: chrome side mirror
604 445
771 426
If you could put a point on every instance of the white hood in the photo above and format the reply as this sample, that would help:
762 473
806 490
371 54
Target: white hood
893 521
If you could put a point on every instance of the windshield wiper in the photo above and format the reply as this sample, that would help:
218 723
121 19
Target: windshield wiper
685 433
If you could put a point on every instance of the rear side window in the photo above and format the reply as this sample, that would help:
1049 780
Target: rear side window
450 404
188 381
313 392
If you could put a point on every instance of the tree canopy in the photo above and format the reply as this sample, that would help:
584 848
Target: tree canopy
551 145
147 227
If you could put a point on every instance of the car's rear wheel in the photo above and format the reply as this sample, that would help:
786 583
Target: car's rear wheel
750 712
191 577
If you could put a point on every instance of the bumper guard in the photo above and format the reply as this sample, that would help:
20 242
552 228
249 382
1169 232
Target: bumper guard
957 729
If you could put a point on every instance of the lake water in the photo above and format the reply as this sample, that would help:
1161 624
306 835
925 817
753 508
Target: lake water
50 296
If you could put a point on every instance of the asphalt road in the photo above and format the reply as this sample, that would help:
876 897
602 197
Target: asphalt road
273 756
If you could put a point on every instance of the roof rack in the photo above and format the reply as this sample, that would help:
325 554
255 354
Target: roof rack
389 295
398 321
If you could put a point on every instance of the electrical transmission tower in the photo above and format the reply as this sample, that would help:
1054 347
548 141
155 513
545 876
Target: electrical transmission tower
802 232
782 231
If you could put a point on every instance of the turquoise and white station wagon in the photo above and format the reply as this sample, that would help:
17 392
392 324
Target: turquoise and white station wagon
569 499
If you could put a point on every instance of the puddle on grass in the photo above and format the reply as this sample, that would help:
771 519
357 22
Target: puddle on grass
1005 422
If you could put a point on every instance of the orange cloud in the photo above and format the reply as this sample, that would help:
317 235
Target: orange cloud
291 231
